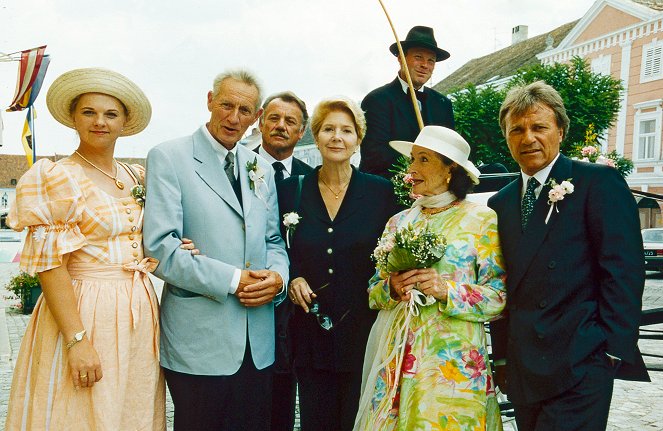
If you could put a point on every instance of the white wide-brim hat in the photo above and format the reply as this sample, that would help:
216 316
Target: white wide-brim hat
443 141
72 84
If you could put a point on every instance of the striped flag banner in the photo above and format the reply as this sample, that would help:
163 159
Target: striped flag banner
27 137
31 71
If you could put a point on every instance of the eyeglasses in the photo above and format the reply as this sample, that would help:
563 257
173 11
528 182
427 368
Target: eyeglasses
324 320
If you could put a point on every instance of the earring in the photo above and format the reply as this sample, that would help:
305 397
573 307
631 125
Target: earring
448 179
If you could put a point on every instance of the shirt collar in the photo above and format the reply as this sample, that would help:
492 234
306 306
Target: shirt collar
216 145
540 176
287 162
406 87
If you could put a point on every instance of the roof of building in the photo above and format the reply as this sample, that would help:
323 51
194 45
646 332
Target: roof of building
502 63
652 4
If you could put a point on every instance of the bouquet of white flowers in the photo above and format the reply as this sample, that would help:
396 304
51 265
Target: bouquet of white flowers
409 248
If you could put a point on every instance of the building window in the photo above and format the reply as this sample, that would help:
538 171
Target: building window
601 65
652 61
647 130
646 139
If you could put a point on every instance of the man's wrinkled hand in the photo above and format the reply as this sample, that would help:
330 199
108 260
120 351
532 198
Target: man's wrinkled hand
268 284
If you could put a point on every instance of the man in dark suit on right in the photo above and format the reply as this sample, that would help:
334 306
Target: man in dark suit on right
282 125
570 235
389 112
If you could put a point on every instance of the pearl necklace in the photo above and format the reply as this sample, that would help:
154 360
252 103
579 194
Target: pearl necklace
118 183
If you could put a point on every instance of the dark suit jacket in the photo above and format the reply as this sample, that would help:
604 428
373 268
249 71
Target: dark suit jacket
284 311
574 285
390 116
337 252
298 167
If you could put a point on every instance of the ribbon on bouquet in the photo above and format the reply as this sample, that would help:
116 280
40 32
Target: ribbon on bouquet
417 300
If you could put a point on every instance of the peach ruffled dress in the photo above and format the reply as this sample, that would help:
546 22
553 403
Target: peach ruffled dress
66 213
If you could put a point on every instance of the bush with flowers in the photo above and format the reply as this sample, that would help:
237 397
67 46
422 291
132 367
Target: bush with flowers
26 289
590 151
402 181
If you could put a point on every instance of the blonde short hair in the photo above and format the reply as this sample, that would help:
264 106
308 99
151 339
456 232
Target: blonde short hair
342 104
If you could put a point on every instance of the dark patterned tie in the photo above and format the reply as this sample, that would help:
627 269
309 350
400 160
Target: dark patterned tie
278 171
528 201
230 172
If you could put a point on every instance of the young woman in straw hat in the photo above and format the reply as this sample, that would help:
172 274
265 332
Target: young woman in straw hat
89 357
426 365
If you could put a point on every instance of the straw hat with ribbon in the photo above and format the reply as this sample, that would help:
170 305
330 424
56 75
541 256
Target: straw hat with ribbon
443 141
72 84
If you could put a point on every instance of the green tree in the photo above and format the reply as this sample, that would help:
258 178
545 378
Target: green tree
589 99
476 114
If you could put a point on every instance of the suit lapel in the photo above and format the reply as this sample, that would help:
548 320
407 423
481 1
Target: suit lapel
211 172
245 156
353 199
537 228
312 199
403 107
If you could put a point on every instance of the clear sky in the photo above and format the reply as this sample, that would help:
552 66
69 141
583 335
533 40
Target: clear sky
173 49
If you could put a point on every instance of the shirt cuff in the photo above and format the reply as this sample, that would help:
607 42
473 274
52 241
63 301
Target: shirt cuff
234 283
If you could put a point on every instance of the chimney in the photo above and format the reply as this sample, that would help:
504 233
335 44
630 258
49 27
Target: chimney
518 34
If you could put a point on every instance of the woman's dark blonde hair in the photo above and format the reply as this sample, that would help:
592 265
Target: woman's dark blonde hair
342 104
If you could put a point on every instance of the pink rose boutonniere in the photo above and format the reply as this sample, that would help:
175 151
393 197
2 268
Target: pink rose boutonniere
557 193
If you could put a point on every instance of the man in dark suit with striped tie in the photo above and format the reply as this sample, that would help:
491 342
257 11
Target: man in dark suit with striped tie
282 125
570 236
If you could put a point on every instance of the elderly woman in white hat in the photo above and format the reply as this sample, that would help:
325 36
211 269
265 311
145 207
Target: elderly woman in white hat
426 364
89 357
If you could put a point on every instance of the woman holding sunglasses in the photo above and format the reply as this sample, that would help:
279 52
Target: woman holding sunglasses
342 214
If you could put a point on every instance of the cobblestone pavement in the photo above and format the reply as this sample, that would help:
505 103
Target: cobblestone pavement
636 406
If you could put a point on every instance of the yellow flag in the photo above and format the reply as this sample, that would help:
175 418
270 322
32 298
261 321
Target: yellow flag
26 138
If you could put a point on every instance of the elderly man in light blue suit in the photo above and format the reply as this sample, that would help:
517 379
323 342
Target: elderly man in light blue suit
217 308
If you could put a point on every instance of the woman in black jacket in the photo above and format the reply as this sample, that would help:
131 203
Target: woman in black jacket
340 214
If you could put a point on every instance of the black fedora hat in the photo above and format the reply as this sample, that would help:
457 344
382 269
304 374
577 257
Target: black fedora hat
422 37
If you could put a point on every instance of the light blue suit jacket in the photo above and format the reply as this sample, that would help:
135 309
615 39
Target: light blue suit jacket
203 326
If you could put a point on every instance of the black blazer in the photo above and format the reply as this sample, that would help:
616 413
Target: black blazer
390 116
574 285
337 252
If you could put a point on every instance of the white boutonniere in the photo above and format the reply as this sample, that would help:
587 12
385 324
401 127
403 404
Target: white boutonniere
290 221
557 193
257 178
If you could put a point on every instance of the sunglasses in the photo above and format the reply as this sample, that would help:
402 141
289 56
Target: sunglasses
324 320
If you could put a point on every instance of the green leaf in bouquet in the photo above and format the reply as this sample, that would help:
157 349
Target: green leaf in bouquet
400 259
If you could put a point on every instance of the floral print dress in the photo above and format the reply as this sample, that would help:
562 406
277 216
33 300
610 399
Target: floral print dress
444 380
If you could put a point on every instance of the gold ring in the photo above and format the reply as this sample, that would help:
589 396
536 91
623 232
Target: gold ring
84 376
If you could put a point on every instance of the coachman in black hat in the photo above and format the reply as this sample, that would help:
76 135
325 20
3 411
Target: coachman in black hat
389 112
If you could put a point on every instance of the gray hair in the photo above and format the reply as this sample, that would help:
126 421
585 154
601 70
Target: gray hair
523 97
288 97
238 75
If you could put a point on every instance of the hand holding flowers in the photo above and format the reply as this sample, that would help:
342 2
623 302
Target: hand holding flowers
408 255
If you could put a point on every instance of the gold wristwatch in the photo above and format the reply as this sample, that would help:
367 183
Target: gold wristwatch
77 337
